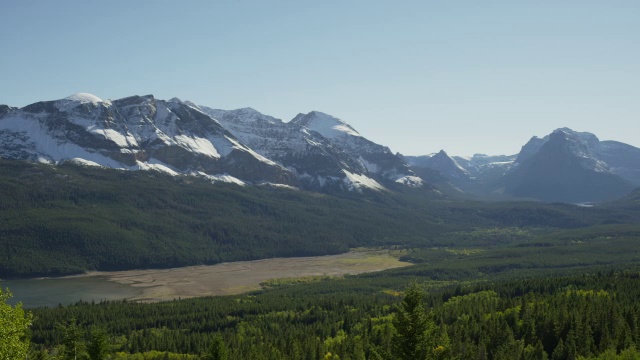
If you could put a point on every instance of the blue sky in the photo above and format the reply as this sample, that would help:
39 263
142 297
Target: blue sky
417 76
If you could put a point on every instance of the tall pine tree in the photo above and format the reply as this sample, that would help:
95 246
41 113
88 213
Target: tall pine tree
414 338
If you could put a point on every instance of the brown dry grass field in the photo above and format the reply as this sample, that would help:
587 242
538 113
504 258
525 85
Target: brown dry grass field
244 276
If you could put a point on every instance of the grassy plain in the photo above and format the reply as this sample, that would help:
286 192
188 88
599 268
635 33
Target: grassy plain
244 276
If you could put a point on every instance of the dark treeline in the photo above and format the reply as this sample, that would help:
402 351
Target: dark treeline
595 315
69 219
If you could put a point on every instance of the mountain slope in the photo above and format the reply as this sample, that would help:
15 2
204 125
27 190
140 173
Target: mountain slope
622 159
565 168
442 163
315 161
181 138
378 160
323 151
464 176
134 133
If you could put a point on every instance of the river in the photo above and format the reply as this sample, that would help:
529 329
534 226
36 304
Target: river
67 290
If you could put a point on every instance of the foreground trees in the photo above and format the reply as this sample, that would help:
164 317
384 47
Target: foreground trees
14 323
586 316
98 347
217 350
417 337
415 332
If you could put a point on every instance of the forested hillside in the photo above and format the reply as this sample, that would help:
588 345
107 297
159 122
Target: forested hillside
69 219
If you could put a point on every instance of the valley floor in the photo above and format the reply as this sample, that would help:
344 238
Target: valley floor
244 276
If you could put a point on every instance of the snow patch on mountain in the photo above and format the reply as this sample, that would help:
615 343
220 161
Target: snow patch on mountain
115 137
197 145
411 181
371 167
37 142
284 186
327 125
157 165
358 182
220 178
84 162
237 145
478 163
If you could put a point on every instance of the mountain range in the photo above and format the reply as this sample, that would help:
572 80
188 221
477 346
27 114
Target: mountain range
313 151
564 166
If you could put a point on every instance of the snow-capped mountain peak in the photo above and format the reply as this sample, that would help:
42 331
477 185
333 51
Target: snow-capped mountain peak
72 101
133 133
448 166
316 151
584 146
83 98
325 124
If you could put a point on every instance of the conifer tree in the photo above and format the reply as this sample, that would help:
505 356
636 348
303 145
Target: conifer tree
414 338
217 349
98 347
72 340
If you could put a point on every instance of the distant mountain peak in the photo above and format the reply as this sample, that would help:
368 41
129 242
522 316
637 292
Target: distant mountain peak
325 124
248 110
244 115
135 100
445 163
77 99
530 149
571 166
581 144
587 137
83 98
252 114
442 163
